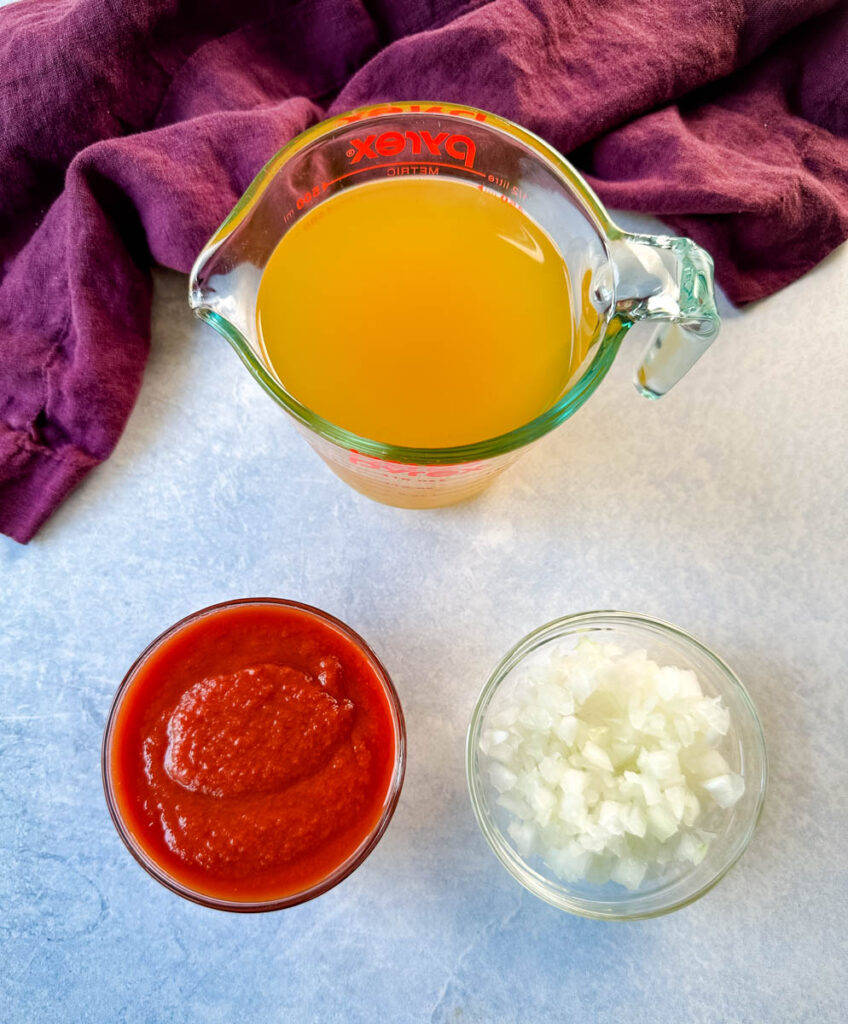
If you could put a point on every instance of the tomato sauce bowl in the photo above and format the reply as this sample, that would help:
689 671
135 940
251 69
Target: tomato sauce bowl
254 755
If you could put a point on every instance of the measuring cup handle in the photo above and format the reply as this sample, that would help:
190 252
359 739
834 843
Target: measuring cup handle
668 280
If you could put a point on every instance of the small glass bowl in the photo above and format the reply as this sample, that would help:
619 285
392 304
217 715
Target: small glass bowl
743 748
341 871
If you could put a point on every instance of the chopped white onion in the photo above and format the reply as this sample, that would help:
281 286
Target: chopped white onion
603 760
725 789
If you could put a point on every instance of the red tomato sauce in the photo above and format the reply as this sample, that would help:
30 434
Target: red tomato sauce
252 752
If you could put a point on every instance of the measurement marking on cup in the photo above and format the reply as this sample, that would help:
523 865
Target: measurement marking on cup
502 197
404 167
409 163
399 172
506 185
317 190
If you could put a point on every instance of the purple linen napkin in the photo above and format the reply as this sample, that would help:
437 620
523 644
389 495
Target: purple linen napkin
128 131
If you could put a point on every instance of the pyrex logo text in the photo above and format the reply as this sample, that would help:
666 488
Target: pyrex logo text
460 147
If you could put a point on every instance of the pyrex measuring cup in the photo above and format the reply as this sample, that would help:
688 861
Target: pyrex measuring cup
616 278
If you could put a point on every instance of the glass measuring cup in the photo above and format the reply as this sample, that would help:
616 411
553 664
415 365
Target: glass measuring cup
616 278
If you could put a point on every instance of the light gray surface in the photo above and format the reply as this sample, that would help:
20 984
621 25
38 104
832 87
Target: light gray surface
720 508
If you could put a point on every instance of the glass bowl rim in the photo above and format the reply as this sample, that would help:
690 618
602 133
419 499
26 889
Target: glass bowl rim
344 869
541 887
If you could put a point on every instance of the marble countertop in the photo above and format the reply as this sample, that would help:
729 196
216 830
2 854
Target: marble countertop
721 508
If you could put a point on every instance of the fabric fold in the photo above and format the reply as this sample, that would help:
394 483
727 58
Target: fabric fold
34 480
127 132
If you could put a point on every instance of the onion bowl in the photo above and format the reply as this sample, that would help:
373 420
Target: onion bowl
665 887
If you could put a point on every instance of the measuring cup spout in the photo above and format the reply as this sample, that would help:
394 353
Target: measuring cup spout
222 292
668 281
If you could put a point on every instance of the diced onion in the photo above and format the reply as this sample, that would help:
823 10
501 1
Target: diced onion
606 762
